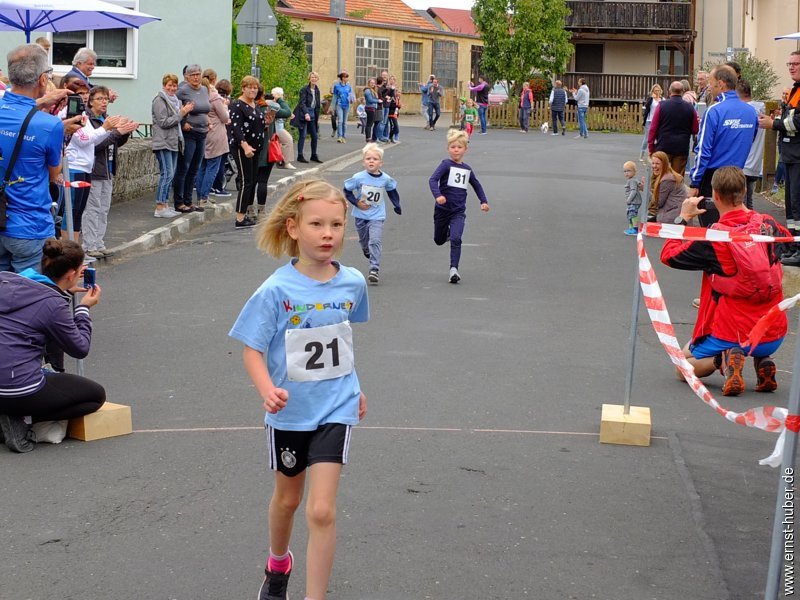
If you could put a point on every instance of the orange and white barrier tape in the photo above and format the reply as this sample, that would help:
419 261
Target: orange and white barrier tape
768 418
701 234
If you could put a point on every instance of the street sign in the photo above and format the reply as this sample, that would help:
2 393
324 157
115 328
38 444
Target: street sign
256 24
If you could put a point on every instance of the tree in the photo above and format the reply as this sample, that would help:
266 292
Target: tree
283 65
522 37
758 73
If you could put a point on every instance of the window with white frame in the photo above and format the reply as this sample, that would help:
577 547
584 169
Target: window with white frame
411 59
116 48
372 57
308 37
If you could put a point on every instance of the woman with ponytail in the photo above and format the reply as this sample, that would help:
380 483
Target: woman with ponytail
35 310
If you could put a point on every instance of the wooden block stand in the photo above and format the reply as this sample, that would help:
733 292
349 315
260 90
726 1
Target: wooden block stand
110 421
632 429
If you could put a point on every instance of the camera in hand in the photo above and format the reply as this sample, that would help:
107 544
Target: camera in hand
75 106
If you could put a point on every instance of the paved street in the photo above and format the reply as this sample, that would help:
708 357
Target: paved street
477 473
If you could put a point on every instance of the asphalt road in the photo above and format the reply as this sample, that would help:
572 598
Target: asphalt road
477 473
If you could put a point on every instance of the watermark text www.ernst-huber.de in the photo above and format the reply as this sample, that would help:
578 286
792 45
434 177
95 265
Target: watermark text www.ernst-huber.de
788 532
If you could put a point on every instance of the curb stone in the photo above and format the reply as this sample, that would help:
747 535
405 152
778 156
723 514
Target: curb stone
180 226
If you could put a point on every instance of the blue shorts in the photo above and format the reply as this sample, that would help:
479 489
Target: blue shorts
711 346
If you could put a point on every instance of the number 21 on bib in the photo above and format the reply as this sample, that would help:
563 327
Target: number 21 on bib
319 353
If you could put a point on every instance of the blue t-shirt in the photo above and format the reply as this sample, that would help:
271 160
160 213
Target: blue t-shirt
377 188
288 300
28 193
342 93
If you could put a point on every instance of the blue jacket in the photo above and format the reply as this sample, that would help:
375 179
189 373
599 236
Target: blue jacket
34 311
726 134
371 98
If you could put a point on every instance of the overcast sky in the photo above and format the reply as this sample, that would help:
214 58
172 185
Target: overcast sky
417 4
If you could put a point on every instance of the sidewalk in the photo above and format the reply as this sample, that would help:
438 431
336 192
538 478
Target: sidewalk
132 229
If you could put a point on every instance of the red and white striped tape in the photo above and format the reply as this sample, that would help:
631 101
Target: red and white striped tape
700 234
76 184
768 418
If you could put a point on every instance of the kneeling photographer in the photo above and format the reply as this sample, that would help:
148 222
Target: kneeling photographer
34 310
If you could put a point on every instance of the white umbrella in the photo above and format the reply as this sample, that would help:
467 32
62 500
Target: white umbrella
789 36
67 15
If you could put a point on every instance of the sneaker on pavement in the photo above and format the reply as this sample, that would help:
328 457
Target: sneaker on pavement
554 133
206 203
276 585
630 231
765 372
246 222
366 252
373 276
290 166
166 213
454 276
732 365
696 302
792 260
95 254
15 433
221 193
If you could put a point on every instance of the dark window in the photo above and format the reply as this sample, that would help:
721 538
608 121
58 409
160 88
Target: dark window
588 58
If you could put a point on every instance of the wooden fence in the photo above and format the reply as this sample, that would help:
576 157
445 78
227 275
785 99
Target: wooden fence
622 119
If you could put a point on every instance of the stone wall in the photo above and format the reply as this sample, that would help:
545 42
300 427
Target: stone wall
137 172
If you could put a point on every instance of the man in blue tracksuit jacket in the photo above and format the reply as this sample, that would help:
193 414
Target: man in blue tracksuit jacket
726 134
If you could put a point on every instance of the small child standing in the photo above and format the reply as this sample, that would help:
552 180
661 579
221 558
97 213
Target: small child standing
299 354
633 196
361 113
448 185
367 191
462 108
470 117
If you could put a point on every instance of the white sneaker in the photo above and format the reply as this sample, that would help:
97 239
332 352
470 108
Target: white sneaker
166 213
454 276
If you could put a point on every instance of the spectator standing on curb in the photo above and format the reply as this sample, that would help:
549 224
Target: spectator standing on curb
28 220
268 108
218 189
581 96
80 153
216 144
787 127
423 89
649 110
167 138
195 129
481 99
371 108
287 142
342 97
383 106
435 94
525 105
704 93
306 118
674 123
247 132
95 218
726 135
753 166
558 104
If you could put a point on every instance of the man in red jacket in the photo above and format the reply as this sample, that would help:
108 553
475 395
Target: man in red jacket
741 282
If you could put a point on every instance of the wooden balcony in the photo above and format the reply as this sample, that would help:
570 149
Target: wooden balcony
624 87
638 17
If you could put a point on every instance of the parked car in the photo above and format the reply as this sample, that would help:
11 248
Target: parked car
498 93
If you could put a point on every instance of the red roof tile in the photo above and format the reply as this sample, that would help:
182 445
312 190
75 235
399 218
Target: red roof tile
456 20
391 12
